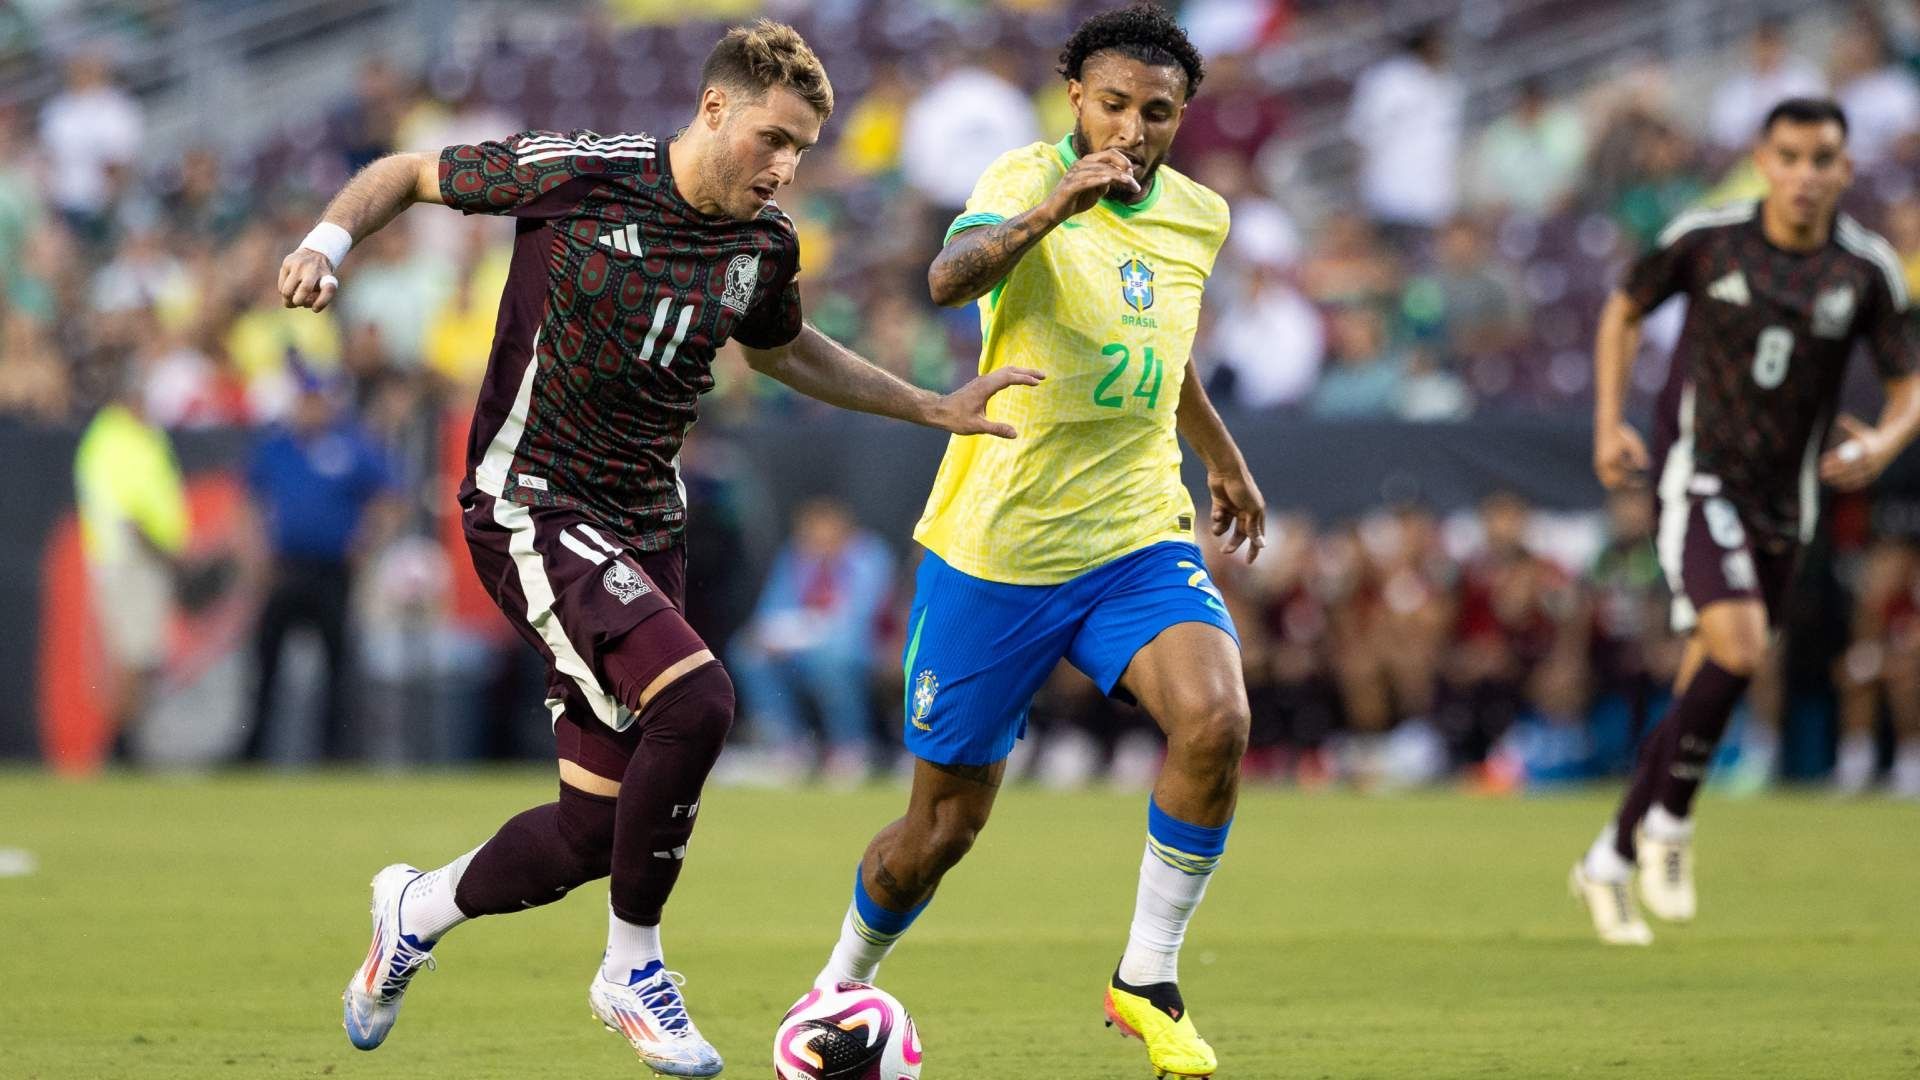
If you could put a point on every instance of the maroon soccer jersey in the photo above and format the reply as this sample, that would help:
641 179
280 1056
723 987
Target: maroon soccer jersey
1757 372
619 292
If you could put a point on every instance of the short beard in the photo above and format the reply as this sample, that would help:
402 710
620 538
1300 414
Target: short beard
720 177
728 175
1081 148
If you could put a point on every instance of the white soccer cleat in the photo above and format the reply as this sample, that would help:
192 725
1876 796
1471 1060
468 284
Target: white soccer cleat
649 1013
1616 918
372 998
1666 878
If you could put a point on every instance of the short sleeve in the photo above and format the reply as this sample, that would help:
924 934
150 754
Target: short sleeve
1221 216
1014 184
1666 269
1889 329
774 317
535 174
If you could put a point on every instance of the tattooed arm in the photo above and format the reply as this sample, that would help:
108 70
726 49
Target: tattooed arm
976 260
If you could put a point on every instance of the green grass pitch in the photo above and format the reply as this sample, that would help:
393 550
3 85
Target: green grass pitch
203 929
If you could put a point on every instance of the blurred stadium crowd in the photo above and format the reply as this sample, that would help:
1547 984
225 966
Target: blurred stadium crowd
1459 272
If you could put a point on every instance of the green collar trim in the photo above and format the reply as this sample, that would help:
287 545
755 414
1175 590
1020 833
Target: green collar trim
1068 157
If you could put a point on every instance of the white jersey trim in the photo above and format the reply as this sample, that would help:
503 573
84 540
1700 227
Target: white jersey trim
1676 507
548 147
538 589
491 474
1708 218
1810 483
1874 248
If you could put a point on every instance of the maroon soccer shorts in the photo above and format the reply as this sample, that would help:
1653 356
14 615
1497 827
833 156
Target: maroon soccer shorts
579 593
1708 555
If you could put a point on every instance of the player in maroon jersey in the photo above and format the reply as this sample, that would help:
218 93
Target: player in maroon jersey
635 258
1779 293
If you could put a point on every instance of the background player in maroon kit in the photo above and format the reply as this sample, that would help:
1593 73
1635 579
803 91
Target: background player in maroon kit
635 258
1779 294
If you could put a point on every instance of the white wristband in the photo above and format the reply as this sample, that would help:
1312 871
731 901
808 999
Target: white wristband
330 240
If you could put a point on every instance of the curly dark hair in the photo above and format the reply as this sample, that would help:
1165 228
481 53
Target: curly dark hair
1143 32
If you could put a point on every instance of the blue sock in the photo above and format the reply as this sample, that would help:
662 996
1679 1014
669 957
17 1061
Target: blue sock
1188 848
866 936
879 925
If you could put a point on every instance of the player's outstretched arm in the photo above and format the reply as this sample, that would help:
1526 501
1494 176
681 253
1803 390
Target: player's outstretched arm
1239 514
1865 452
371 199
1619 457
822 368
976 260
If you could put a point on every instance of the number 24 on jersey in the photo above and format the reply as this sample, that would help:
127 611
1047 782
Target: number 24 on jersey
1106 395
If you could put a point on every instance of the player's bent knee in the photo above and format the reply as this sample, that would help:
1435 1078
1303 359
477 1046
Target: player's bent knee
1738 653
697 707
1215 732
952 833
1735 637
586 823
949 843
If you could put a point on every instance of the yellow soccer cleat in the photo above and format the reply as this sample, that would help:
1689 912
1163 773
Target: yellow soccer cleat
1158 1017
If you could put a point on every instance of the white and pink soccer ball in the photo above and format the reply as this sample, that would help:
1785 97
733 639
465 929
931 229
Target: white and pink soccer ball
850 1031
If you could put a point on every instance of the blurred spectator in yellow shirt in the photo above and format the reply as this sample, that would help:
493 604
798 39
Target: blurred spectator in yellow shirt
460 336
133 530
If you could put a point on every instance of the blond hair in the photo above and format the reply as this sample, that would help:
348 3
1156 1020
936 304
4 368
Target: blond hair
754 59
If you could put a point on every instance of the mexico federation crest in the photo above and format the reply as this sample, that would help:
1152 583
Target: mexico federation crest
743 273
1833 312
1136 284
624 582
925 686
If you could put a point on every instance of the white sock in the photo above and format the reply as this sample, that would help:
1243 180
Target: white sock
1605 864
1662 825
427 910
1161 909
854 959
1853 768
1906 770
630 947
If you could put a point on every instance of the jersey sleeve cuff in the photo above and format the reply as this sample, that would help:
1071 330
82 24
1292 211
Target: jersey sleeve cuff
971 221
448 195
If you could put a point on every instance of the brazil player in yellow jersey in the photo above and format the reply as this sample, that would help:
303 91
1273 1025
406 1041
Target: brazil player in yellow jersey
1074 541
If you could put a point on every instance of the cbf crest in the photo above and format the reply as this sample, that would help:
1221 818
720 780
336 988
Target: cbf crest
925 686
1136 284
743 274
624 582
1833 312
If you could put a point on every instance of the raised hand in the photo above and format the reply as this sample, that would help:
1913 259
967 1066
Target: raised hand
1091 177
307 280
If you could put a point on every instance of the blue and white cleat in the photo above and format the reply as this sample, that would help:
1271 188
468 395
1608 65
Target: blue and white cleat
648 1011
372 998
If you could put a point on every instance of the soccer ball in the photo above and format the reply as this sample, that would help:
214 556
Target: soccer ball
850 1031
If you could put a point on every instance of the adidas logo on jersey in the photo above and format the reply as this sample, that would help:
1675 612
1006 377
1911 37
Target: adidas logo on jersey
1731 289
625 241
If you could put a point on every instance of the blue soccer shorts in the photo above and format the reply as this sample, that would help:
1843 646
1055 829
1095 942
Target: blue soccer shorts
978 650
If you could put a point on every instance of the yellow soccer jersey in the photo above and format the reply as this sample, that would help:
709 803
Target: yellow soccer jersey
1106 305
